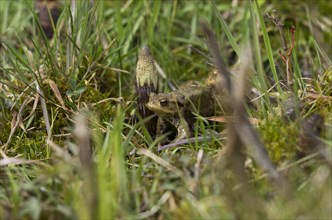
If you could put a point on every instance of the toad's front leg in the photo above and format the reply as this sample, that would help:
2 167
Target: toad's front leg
183 130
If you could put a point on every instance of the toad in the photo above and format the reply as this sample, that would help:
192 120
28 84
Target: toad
178 108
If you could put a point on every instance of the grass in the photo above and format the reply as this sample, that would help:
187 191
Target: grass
82 80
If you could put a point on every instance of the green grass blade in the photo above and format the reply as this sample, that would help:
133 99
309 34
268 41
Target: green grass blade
262 86
227 31
268 48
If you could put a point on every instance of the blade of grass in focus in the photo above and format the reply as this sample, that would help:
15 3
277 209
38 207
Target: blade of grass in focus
268 47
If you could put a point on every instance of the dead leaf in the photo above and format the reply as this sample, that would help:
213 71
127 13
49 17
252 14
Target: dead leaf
56 91
224 119
35 103
16 121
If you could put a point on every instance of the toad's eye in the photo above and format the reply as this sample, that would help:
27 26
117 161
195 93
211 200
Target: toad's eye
163 102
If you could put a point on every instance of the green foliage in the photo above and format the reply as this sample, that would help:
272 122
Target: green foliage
281 140
90 64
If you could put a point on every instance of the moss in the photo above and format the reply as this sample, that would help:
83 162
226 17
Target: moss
5 128
31 147
280 138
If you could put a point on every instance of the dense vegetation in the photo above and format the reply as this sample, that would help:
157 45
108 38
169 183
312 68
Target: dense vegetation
61 95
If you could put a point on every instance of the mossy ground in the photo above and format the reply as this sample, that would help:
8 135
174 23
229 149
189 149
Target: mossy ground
89 66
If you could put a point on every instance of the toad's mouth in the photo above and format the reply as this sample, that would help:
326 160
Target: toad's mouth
159 110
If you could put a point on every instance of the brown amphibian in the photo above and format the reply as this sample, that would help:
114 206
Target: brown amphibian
170 108
178 108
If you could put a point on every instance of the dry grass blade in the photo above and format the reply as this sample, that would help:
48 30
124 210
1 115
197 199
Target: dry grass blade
241 131
257 149
35 103
253 121
44 109
117 100
82 136
11 161
246 132
235 159
56 91
214 50
162 74
154 208
191 140
17 119
161 161
274 17
194 182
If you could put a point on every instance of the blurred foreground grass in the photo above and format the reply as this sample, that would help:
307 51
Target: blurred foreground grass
89 67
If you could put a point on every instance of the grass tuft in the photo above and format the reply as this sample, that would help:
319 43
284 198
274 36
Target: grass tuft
69 150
